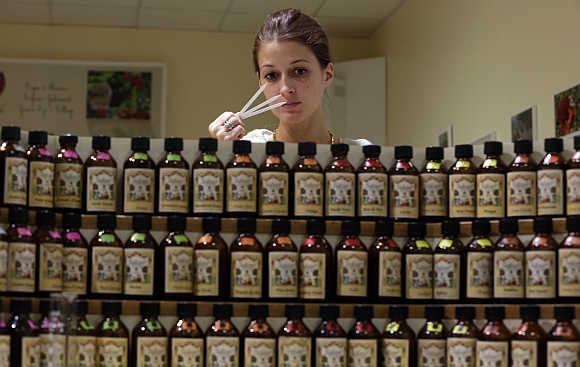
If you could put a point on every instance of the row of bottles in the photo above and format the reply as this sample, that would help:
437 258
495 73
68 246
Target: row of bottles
481 270
241 188
26 343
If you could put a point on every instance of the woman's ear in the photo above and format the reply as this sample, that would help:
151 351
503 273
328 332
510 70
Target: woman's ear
328 74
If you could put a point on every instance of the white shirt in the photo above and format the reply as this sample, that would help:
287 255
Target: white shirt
265 135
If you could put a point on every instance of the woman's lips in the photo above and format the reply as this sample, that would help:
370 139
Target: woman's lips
290 104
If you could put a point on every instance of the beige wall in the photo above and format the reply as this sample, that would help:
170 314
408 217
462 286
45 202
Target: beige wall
207 73
474 64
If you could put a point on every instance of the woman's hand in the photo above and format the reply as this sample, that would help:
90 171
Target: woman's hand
227 127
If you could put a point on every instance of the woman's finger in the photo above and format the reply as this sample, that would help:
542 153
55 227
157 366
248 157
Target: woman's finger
235 133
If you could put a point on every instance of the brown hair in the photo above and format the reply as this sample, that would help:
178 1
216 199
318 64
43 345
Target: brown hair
293 25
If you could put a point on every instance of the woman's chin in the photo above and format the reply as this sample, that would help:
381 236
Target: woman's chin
291 116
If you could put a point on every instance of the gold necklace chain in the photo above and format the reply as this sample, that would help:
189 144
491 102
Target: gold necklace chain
331 138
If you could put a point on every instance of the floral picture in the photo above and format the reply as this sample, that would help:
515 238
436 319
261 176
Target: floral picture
566 111
118 95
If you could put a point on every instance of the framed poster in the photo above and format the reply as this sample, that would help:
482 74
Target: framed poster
566 112
524 125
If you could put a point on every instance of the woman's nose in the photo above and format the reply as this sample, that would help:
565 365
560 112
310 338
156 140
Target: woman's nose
287 89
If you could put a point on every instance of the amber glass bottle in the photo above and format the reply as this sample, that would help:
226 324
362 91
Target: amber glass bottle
541 262
351 263
112 337
508 263
521 182
434 186
330 339
569 260
340 184
172 179
493 341
212 262
207 180
294 339
139 179
13 166
3 261
448 264
258 340
280 278
222 345
176 260
100 178
22 262
68 176
528 345
462 184
40 171
373 185
273 181
52 334
432 339
551 184
384 264
141 265
573 181
491 182
82 337
315 264
49 255
418 265
308 183
75 255
564 339
24 341
404 192
399 343
106 259
462 338
241 181
479 254
364 339
149 338
186 344
246 262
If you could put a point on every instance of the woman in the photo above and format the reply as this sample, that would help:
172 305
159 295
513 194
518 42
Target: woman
292 57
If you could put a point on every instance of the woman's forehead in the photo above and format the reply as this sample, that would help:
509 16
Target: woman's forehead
284 53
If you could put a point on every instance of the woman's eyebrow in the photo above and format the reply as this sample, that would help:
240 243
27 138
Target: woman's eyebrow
299 60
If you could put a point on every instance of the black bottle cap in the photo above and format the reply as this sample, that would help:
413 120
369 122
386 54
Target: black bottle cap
149 309
329 312
434 312
141 222
221 311
173 144
176 223
107 222
307 148
208 144
371 149
398 313
508 226
564 313
140 144
403 152
68 139
464 151
17 215
434 153
45 217
350 228
81 307
37 137
10 133
577 142
493 148
384 228
529 312
247 225
480 227
274 148
339 149
211 224
242 147
281 226
523 147
542 225
494 313
20 306
416 229
294 311
363 312
553 145
465 313
573 224
101 142
258 311
450 228
111 308
186 310
44 307
316 227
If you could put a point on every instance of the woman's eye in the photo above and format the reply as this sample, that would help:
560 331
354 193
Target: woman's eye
271 76
300 71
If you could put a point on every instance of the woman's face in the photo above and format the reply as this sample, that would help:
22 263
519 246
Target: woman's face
289 68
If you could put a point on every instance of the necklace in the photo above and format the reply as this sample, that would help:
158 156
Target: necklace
331 138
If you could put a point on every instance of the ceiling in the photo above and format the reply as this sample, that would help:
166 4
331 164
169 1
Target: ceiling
340 18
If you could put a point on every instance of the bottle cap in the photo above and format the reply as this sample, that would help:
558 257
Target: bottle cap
141 222
573 224
140 144
363 312
274 148
465 313
564 313
20 306
403 152
371 149
294 311
493 148
542 225
247 225
37 137
329 312
523 147
71 220
529 312
208 144
222 311
111 308
17 215
149 309
434 153
398 313
553 145
495 313
258 311
508 226
384 228
107 222
281 226
45 217
577 142
242 147
212 224
464 151
81 307
450 228
44 307
481 227
176 223
101 142
316 227
416 229
339 149
10 133
173 144
185 310
434 313
350 228
306 149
